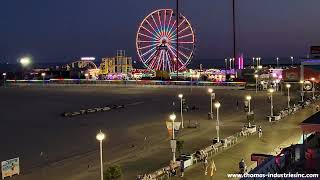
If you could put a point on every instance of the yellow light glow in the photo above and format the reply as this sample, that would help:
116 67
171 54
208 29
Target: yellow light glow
172 117
25 61
100 136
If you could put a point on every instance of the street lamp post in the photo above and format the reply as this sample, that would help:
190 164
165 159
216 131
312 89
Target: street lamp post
258 62
25 62
226 62
86 75
181 101
288 87
4 79
277 62
313 88
173 141
256 76
233 63
100 137
249 103
211 99
253 62
271 102
217 105
291 60
43 76
302 93
278 85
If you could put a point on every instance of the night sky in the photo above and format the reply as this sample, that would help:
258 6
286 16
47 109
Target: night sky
61 30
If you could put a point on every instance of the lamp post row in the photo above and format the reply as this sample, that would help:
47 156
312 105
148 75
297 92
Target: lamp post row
101 136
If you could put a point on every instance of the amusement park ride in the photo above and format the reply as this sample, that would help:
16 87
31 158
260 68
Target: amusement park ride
165 41
157 41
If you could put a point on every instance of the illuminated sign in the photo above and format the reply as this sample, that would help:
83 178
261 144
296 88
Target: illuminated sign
10 167
88 58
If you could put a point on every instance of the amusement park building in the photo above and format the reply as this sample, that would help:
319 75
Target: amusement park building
118 64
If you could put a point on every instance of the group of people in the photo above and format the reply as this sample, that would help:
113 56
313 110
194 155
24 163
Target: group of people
145 177
212 167
172 171
208 167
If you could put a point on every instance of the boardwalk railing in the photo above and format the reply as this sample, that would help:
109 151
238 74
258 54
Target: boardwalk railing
157 83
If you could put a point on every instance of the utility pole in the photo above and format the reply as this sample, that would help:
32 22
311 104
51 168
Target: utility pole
234 30
177 27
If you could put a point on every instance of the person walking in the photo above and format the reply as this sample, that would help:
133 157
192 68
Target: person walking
205 165
260 132
237 105
242 166
182 168
172 168
213 168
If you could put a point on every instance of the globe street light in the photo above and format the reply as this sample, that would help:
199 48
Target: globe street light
249 102
86 75
4 79
256 76
271 103
172 117
212 94
100 137
217 106
302 93
288 87
181 101
25 61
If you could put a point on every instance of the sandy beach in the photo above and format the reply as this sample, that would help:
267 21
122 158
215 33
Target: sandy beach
48 144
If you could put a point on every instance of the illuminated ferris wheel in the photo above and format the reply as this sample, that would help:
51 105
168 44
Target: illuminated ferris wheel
156 41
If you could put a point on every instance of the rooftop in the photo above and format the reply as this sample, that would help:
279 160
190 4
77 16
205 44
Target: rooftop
311 124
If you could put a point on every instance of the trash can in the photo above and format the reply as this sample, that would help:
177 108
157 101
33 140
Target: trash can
187 159
214 140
